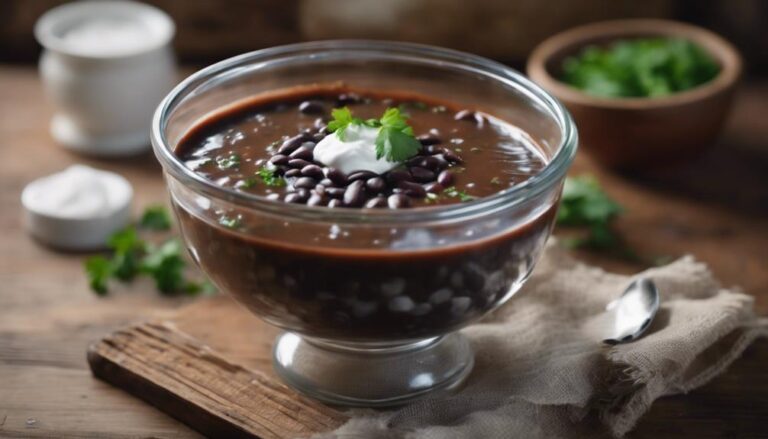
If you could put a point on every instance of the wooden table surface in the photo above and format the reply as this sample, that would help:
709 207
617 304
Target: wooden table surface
716 209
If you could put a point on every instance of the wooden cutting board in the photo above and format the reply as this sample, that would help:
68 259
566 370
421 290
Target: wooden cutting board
209 365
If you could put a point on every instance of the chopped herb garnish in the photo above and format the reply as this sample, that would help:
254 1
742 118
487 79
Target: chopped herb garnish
439 109
246 183
228 162
155 218
496 181
395 140
474 149
132 256
230 222
457 149
461 195
269 177
431 198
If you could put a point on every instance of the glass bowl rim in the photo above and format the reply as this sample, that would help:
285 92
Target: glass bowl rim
388 50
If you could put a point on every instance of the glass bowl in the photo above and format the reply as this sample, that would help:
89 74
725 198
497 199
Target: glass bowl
370 300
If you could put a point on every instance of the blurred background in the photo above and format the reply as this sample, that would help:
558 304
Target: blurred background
210 30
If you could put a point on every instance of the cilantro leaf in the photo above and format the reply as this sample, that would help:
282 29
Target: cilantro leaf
127 247
342 119
395 141
166 266
155 218
99 270
585 204
269 177
461 195
228 162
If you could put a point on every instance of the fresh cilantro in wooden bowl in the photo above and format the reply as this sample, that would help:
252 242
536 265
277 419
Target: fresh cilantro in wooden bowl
643 67
645 94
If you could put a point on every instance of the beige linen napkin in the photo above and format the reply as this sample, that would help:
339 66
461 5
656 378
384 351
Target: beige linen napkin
541 368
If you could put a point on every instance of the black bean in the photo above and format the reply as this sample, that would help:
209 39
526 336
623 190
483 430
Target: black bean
336 176
375 184
422 174
320 125
432 163
465 115
303 152
280 170
291 173
279 159
395 177
354 196
434 188
291 144
441 160
273 197
294 197
319 189
376 202
318 137
445 178
429 139
334 203
313 171
412 189
398 201
361 175
433 149
316 200
348 99
305 182
335 192
311 107
326 182
298 163
451 156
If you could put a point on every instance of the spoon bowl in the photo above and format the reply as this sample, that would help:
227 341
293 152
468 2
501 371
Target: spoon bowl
632 313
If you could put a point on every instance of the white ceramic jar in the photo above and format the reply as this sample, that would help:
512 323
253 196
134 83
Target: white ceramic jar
106 66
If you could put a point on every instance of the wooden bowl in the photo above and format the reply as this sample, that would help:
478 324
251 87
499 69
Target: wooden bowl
641 133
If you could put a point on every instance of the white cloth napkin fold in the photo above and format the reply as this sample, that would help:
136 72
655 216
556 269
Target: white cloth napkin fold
542 371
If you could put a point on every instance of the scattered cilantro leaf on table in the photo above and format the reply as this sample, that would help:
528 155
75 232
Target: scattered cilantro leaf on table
133 256
155 218
585 204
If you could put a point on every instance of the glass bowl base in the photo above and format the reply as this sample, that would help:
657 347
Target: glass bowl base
372 374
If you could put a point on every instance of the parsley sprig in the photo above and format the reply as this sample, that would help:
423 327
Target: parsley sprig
395 141
133 256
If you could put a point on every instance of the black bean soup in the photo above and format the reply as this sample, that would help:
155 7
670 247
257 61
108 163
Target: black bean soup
366 292
266 148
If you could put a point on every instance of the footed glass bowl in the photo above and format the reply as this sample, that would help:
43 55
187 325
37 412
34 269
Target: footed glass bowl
370 300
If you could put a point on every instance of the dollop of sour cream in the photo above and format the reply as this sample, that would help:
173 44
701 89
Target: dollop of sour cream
357 152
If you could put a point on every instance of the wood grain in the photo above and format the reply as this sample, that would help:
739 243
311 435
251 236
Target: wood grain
196 385
715 209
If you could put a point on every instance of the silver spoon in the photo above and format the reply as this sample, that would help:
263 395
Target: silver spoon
632 313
